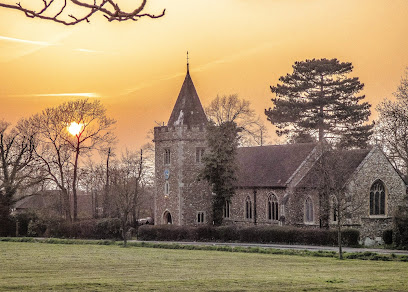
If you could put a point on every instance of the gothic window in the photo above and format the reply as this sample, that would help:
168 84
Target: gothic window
226 209
377 198
199 154
248 208
273 208
166 188
309 210
167 156
200 217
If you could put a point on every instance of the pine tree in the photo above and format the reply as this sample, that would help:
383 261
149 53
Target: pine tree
319 99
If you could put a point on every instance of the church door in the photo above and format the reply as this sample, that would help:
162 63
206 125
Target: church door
167 218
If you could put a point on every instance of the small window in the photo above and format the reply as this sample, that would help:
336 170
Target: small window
309 210
334 209
226 209
199 154
248 208
377 198
167 156
200 217
273 208
166 188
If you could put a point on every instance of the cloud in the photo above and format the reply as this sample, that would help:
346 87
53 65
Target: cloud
9 39
76 94
90 51
228 59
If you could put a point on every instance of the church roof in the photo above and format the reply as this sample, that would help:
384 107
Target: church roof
342 164
270 166
188 109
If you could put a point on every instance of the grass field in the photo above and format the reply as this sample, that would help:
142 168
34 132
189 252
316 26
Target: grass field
42 267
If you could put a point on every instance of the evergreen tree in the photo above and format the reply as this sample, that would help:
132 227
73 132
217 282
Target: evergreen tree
318 98
220 164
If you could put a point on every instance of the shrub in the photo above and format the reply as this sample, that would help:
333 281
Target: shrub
226 233
23 220
36 228
387 236
401 228
108 228
350 237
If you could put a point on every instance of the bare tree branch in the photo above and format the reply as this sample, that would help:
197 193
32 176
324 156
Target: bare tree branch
111 11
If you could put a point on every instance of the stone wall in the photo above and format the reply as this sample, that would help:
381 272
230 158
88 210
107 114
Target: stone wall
187 195
375 167
259 206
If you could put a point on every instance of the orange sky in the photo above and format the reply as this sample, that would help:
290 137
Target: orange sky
235 46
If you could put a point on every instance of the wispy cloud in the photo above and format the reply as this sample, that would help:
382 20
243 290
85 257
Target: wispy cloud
76 94
227 59
90 51
9 39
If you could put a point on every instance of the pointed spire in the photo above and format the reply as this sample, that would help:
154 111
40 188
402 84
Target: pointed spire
188 109
188 65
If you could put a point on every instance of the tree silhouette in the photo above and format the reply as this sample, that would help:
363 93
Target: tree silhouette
71 12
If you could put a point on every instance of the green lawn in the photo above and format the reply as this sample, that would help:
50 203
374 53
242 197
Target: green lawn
42 267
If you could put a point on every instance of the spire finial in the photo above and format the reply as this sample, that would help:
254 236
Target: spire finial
188 65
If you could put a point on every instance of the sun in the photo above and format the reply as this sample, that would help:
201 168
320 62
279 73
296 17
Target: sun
74 128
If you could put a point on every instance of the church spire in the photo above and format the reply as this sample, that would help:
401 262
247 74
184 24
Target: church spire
188 109
188 65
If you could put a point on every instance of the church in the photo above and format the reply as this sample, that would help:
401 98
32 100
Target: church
276 184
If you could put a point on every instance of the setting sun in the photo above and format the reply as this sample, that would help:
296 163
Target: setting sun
74 128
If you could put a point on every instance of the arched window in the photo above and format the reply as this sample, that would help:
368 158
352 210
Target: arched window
377 198
273 208
226 209
248 208
309 210
333 209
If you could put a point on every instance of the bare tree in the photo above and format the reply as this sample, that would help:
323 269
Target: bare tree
233 109
331 177
94 132
62 146
54 153
391 130
126 186
71 12
19 169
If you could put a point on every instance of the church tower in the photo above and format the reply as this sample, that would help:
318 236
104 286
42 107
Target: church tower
179 197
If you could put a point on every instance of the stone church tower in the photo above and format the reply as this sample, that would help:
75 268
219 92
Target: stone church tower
180 198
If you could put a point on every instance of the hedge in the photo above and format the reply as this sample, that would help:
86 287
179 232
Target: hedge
31 225
258 234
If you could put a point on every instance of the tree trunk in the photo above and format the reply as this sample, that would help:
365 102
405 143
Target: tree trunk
74 183
339 235
106 192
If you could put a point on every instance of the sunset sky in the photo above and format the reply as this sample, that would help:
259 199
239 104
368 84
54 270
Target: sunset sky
235 46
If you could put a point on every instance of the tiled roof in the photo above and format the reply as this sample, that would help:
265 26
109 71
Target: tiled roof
270 166
188 109
341 164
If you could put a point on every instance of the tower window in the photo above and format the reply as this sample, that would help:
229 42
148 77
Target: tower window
167 156
200 217
199 154
166 187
